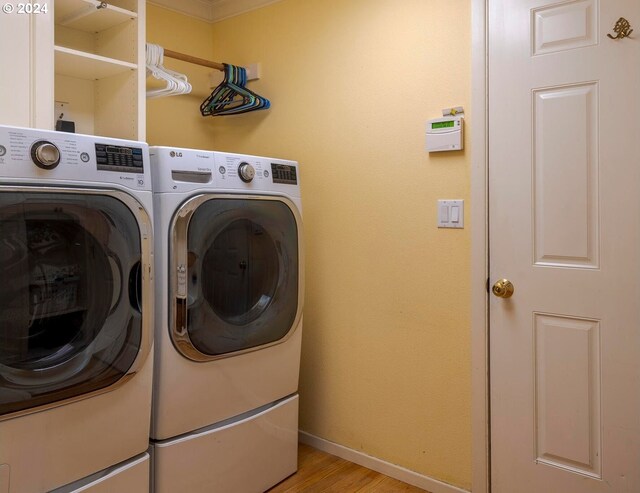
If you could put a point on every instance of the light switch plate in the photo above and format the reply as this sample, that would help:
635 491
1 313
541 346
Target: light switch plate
451 214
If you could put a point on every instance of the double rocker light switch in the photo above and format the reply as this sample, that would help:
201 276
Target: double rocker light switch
451 213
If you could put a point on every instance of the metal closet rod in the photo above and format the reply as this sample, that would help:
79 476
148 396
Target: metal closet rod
193 59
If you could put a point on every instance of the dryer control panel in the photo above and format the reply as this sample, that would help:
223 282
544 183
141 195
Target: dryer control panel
179 170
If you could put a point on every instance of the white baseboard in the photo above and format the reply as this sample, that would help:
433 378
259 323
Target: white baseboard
383 467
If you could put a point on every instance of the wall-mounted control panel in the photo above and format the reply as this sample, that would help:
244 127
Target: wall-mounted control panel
445 134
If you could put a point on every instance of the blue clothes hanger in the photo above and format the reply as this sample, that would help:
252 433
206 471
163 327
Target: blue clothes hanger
251 100
226 96
231 97
223 95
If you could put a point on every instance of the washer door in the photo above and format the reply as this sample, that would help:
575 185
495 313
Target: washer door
236 279
70 296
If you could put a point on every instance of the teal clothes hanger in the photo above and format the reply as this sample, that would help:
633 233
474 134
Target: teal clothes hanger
223 95
231 97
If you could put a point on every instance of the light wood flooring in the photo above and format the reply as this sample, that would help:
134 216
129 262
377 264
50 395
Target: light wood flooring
319 472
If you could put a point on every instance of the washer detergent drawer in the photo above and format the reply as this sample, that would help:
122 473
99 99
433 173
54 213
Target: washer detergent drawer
249 455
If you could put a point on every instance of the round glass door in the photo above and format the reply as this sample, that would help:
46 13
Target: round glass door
70 296
242 274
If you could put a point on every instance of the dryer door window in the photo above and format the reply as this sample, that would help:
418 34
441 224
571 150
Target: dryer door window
70 291
243 275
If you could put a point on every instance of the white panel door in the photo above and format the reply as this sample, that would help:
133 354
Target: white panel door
564 187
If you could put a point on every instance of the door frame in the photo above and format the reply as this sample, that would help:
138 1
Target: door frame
480 411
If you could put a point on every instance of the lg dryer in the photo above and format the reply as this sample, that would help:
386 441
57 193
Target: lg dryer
75 312
230 277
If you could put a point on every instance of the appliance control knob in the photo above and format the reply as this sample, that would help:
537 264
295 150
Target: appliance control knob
246 172
45 155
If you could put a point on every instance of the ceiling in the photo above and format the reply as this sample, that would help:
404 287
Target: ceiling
212 10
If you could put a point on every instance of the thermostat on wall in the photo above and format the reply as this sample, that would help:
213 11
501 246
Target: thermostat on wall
445 134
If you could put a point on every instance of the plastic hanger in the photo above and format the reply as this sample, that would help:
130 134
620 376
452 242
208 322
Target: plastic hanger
248 100
231 97
176 82
223 95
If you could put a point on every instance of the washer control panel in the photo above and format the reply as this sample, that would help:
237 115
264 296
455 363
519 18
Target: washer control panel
45 154
33 154
284 173
246 172
119 158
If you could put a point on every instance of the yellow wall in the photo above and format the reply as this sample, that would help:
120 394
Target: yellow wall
386 345
176 120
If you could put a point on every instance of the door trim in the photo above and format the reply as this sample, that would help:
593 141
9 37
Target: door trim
480 412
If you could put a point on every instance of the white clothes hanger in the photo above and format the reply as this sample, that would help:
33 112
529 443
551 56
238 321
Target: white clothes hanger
176 82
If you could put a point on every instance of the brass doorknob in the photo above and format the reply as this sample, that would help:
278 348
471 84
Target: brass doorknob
503 288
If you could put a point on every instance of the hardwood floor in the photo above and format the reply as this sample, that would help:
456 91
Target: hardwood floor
319 472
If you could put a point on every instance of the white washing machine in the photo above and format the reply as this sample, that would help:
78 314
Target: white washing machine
76 308
228 331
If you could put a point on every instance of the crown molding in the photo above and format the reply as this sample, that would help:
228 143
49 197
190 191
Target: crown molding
201 9
212 10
